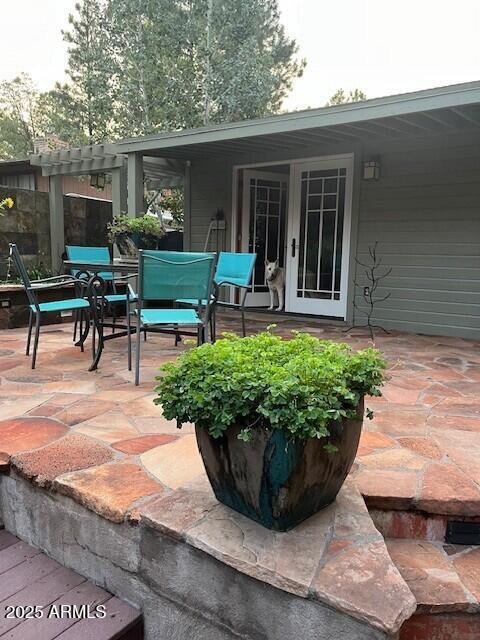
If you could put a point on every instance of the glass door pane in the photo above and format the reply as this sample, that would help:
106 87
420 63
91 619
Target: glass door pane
322 205
266 232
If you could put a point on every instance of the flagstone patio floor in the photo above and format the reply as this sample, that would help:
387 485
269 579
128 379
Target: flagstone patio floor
100 440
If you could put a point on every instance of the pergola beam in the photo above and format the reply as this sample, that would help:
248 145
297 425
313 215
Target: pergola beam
135 184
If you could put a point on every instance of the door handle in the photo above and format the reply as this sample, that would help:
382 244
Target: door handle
294 245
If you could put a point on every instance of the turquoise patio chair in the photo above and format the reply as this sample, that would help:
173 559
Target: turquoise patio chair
233 270
166 276
77 304
99 255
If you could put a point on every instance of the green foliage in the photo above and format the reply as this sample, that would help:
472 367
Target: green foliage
340 97
59 112
147 225
250 62
37 271
298 385
171 200
89 69
26 114
19 117
141 66
204 61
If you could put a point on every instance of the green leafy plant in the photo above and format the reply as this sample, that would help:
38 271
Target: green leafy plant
145 226
299 385
37 271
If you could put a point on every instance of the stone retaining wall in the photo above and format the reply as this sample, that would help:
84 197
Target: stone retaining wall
28 224
183 592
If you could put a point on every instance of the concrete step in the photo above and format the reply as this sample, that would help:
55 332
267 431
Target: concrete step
445 580
40 598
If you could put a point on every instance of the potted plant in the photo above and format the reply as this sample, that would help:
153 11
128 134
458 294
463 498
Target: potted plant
277 421
131 234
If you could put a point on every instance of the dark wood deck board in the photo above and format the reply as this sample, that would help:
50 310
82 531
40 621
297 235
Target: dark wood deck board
41 592
29 577
19 576
119 619
6 539
14 555
50 628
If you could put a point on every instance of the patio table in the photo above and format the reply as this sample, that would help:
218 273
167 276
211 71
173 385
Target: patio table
96 288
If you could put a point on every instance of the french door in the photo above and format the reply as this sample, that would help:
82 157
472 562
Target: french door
319 236
264 214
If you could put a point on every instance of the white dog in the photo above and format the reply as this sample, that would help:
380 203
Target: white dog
275 277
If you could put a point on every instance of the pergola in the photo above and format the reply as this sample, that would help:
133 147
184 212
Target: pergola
127 181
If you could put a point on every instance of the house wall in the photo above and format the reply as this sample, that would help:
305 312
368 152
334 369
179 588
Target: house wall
424 212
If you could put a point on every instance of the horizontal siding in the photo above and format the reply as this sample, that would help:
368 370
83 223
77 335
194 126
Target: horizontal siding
424 211
210 190
425 214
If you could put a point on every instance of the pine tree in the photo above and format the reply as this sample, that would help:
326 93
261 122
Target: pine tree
89 69
183 63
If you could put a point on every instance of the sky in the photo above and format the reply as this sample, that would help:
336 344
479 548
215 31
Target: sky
380 46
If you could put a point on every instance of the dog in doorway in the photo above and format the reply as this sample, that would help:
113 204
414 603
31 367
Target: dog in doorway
275 277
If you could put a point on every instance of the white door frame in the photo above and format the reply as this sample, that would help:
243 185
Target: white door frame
335 308
348 158
259 298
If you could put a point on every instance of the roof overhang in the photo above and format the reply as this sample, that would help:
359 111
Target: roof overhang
451 108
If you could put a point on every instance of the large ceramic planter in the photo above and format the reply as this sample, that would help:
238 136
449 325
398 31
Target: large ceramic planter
128 244
276 481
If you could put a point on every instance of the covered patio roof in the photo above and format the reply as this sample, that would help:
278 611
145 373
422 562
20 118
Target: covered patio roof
455 107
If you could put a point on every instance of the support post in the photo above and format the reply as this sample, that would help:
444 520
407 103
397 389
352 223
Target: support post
57 222
187 208
119 191
135 184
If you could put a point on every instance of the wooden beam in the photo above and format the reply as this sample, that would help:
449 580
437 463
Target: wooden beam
187 208
119 191
135 184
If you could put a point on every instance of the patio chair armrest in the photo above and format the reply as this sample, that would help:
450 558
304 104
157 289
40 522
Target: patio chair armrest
123 278
36 286
63 277
232 284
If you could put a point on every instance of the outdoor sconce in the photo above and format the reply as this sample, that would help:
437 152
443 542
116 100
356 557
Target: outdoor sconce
371 170
98 180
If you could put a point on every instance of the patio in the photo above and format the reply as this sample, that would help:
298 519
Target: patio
101 441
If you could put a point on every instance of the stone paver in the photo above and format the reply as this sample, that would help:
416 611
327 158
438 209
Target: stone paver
110 490
446 489
358 577
100 440
143 443
23 434
164 462
387 488
68 454
82 411
467 565
108 427
439 581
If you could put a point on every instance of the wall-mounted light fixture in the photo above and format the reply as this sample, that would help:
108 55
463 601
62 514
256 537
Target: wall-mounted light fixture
98 180
371 169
